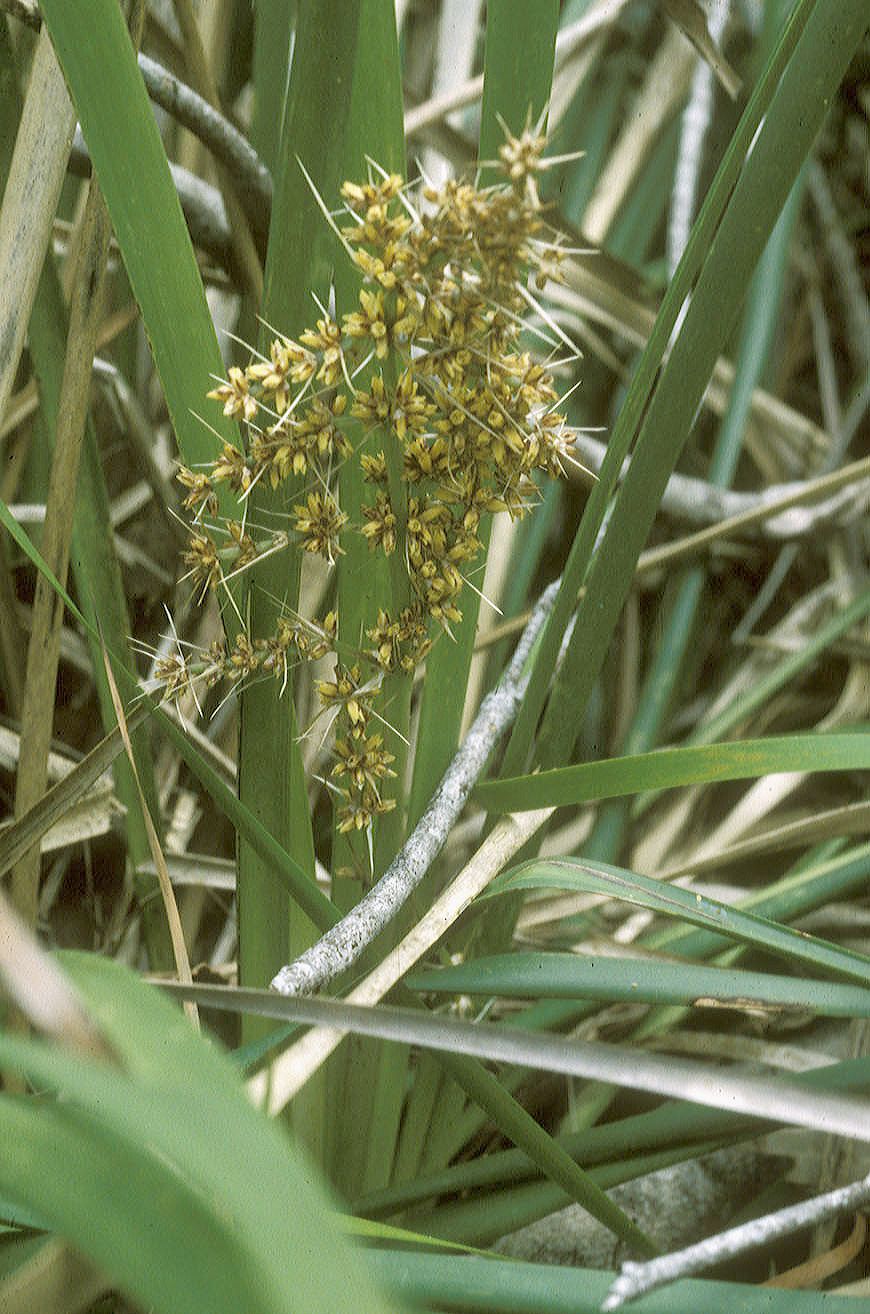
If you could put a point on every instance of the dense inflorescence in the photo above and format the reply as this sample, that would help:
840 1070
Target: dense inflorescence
426 385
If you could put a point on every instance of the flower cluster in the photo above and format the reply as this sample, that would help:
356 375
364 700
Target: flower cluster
425 383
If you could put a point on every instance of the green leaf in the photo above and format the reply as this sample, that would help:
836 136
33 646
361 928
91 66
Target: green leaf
783 1101
769 169
99 63
685 905
790 100
641 980
349 47
666 768
517 80
209 1207
478 1286
673 1123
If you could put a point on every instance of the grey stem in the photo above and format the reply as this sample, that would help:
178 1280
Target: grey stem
341 946
637 1279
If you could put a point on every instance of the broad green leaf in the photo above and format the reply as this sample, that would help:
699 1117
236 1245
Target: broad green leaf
209 1205
154 1237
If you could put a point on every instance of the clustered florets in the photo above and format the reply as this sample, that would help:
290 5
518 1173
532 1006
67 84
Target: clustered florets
426 385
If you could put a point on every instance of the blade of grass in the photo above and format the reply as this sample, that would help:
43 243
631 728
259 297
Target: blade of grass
296 1064
247 261
569 976
810 886
783 1100
483 1087
512 1120
372 1082
501 1212
477 1286
100 68
814 71
518 74
643 386
52 806
273 30
96 571
33 185
353 50
688 906
753 351
672 1123
783 672
43 652
814 882
176 931
666 768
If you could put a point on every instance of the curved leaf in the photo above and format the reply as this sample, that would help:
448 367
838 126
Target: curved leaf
687 906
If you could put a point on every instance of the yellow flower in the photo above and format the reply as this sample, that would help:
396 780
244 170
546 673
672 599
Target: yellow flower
202 557
469 414
380 526
202 495
373 407
285 359
235 395
319 522
326 344
345 689
374 468
364 761
244 659
361 809
232 468
369 322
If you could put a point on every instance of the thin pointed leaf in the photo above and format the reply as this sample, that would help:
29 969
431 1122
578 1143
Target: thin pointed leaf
782 1101
641 980
667 768
687 906
99 63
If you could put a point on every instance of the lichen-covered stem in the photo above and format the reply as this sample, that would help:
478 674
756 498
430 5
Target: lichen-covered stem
345 942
